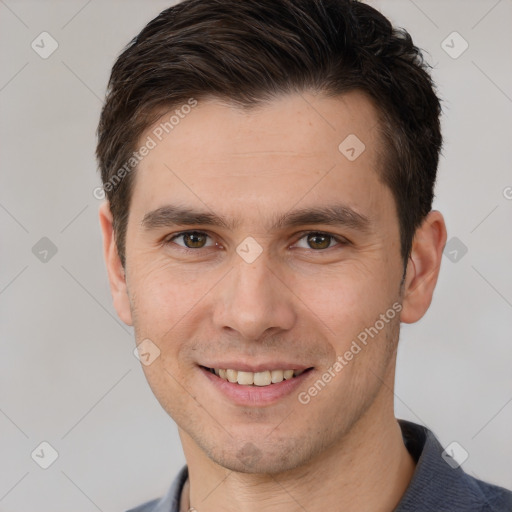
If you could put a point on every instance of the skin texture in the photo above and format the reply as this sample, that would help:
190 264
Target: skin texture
296 302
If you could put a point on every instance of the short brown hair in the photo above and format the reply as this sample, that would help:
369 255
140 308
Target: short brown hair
251 51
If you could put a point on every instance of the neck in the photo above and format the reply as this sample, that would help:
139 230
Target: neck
369 469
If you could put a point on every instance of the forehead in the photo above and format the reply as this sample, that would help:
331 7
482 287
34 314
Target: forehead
297 148
306 123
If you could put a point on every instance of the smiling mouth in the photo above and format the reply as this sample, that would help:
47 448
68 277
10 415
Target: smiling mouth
261 379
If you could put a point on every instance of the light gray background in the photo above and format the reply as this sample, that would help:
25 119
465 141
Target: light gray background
67 372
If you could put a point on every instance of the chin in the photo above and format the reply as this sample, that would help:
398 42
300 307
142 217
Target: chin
266 458
265 465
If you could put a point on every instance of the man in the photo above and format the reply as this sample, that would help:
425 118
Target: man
269 167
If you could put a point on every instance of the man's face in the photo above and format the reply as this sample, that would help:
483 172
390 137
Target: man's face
205 302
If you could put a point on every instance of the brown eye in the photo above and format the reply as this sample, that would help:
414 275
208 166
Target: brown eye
194 240
319 241
191 240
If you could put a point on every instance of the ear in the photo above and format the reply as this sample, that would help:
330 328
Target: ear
116 273
423 267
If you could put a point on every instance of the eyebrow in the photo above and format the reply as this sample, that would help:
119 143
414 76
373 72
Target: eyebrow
333 215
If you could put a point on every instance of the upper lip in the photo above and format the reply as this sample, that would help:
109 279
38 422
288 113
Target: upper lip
256 367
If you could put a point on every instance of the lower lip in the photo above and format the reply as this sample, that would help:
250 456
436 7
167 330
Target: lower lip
255 395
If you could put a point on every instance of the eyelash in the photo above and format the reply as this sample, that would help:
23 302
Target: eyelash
340 240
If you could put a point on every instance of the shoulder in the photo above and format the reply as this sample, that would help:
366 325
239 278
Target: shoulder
170 502
149 506
439 482
494 498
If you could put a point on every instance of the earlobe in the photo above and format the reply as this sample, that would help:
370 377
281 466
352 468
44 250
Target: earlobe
115 270
423 267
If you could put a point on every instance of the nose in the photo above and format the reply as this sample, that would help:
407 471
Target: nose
254 301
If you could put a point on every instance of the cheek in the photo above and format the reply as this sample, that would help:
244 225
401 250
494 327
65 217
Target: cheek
168 385
347 299
168 305
162 293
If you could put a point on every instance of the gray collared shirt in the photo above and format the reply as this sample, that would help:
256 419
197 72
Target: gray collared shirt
437 485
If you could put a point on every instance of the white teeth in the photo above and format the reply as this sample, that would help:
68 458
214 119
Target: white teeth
264 378
245 378
232 375
277 376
